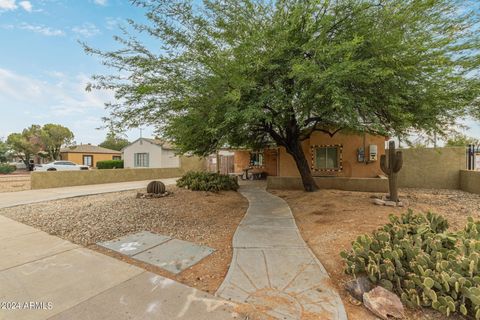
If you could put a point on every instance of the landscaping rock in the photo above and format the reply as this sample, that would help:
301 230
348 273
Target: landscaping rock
358 287
379 202
390 203
141 195
383 303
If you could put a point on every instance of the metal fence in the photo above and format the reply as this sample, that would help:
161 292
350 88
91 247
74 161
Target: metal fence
473 157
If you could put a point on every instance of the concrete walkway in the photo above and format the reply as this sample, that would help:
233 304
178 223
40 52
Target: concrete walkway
272 267
11 199
45 277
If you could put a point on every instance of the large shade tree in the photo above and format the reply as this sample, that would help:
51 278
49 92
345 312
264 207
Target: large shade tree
26 144
254 72
53 137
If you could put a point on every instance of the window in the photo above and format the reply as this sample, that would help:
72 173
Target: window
116 158
256 159
327 158
87 160
141 160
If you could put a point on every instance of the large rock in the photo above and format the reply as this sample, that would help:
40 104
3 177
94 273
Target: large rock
383 303
358 287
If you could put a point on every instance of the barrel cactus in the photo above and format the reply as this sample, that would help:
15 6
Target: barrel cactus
156 187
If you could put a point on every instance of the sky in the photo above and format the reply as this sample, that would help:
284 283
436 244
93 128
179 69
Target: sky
44 70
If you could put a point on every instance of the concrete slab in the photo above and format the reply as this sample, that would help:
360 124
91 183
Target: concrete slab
265 221
174 255
29 247
273 269
135 243
267 237
10 228
149 296
64 280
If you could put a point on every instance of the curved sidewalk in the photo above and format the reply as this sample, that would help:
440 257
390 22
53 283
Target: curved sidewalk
272 267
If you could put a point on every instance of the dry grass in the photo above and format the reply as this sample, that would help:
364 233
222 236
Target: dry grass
329 220
205 218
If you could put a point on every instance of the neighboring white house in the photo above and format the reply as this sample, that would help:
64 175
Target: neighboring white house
150 153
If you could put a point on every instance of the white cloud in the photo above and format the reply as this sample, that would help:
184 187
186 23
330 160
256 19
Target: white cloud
8 5
25 100
100 2
26 5
43 30
113 23
86 30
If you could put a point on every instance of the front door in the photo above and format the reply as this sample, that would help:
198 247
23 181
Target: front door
88 160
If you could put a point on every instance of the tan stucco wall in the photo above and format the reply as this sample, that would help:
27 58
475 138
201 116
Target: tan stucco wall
437 168
242 161
350 143
339 183
55 179
78 157
470 181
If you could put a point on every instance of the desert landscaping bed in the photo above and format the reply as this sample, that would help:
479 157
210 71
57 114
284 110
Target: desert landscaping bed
201 217
14 182
329 220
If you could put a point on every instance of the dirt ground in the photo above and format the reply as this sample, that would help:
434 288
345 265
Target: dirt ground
329 220
202 217
14 182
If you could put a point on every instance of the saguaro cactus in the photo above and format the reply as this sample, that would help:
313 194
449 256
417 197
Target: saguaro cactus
391 168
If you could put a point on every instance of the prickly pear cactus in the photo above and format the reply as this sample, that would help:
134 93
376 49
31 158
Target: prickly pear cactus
156 187
395 162
425 265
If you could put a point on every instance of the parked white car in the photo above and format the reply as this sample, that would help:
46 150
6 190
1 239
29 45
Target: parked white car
20 165
59 166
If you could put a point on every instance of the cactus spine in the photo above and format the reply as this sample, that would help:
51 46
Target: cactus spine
156 187
395 162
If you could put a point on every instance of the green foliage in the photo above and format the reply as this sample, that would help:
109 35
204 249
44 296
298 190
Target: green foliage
207 181
6 169
461 140
249 73
53 137
415 256
3 151
114 142
27 143
110 164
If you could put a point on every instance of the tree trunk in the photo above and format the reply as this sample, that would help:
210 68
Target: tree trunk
296 151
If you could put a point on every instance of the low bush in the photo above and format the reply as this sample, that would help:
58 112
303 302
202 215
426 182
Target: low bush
6 169
207 181
415 256
110 164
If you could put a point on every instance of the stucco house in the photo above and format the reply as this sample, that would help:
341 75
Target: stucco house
88 154
343 155
150 153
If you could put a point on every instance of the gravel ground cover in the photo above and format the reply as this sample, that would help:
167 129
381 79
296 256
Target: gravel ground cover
329 220
14 182
201 217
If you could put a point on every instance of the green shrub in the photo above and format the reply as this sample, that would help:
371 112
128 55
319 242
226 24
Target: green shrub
425 265
207 181
110 164
6 168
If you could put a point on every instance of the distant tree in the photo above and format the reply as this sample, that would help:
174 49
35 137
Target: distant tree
3 151
53 137
114 141
255 72
461 140
26 144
